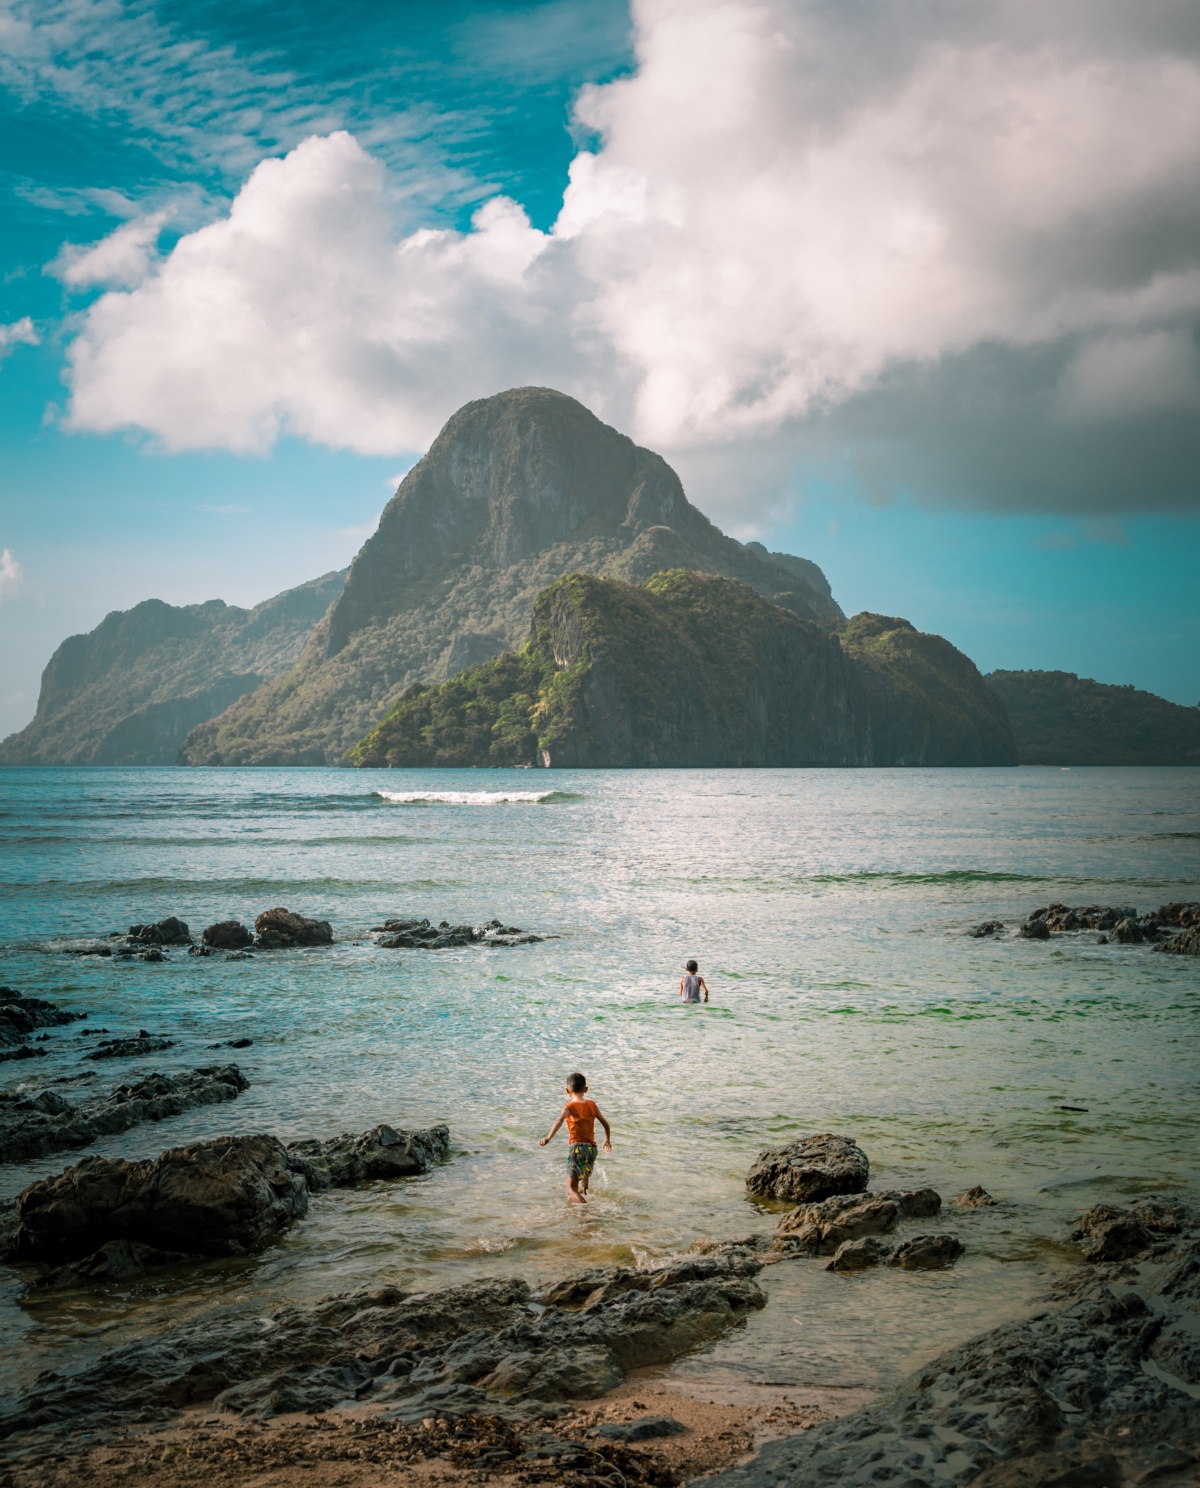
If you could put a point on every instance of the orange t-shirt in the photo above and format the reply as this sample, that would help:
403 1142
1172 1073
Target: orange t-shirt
581 1121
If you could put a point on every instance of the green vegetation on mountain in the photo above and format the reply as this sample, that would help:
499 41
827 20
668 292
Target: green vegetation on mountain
693 670
1061 719
131 690
516 491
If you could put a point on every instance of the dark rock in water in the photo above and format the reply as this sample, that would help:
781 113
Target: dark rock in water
1184 916
926 1253
380 1153
646 1428
821 1229
973 1198
859 1255
485 1348
21 1016
1127 1233
122 1048
1064 1399
1128 932
223 1197
240 1043
116 1260
23 1051
810 1169
1035 930
283 930
48 1123
989 927
227 935
200 950
152 953
420 935
170 931
1187 944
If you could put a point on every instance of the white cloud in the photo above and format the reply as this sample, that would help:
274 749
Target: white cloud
792 208
18 333
11 576
122 259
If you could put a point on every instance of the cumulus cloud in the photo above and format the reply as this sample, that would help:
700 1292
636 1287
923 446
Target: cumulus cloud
18 333
11 576
816 227
123 258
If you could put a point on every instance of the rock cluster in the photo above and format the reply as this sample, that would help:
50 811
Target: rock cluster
811 1169
486 1348
227 935
1096 1391
171 931
227 1196
21 1016
1128 1233
1120 923
127 1048
284 930
33 1126
421 935
822 1229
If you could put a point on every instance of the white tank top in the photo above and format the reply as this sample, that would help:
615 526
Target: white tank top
691 987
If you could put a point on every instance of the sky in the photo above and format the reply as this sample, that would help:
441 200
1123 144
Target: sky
907 287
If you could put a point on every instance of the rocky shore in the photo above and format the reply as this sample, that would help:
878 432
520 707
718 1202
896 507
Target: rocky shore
1173 928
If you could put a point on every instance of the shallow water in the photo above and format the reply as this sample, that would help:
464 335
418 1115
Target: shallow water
827 909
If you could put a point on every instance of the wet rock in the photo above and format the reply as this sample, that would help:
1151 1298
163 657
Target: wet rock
284 930
152 953
483 1349
926 1253
223 1197
646 1428
1163 1213
859 1255
239 1043
1127 932
1034 930
382 1152
1061 1400
116 1260
48 1123
1187 944
973 1198
21 1016
124 1048
227 935
989 927
819 1229
22 1051
200 950
171 931
420 935
1113 1234
1185 916
811 1169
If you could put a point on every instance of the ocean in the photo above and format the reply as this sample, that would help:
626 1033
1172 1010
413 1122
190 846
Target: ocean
829 912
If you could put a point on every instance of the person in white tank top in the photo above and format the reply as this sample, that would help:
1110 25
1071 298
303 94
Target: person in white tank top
691 984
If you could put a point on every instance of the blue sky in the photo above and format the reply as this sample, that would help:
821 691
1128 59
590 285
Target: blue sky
252 259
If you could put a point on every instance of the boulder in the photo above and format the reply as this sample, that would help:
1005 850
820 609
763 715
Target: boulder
645 1428
1185 916
283 930
859 1255
20 1016
973 1198
926 1253
1035 930
123 1048
171 931
227 935
116 1260
989 927
1113 1234
812 1168
382 1152
1187 944
222 1197
1127 932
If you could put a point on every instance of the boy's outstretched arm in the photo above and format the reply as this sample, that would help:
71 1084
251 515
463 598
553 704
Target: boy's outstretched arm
607 1130
704 984
562 1116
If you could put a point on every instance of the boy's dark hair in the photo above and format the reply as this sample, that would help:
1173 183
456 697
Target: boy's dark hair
691 966
576 1082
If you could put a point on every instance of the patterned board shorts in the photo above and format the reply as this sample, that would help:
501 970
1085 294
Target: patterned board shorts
581 1159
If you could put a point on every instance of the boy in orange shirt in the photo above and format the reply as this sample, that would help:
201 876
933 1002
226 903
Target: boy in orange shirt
581 1116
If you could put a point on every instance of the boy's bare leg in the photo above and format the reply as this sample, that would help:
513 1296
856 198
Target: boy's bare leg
573 1194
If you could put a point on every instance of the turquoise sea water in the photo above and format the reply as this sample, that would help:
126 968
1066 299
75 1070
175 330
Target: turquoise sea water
828 911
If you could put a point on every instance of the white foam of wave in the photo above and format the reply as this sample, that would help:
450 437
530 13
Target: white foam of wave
463 798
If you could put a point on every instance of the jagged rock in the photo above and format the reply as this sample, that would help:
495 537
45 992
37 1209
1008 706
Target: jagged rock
420 935
380 1153
819 1229
1115 1234
645 1428
973 1198
1060 1400
283 929
152 953
1127 932
22 1051
222 1197
1187 944
227 935
926 1253
810 1169
1035 930
1185 916
170 931
123 1048
238 1043
32 1127
116 1260
989 927
859 1255
484 1348
20 1016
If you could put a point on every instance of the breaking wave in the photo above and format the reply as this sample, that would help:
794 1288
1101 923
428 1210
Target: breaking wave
474 798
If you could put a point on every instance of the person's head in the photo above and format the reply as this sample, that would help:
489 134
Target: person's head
576 1084
693 967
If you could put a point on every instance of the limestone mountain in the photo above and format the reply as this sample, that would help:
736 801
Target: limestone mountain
692 670
130 691
1061 719
516 491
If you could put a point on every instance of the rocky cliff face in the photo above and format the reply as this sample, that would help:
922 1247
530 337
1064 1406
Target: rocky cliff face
130 691
517 491
693 670
1061 719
